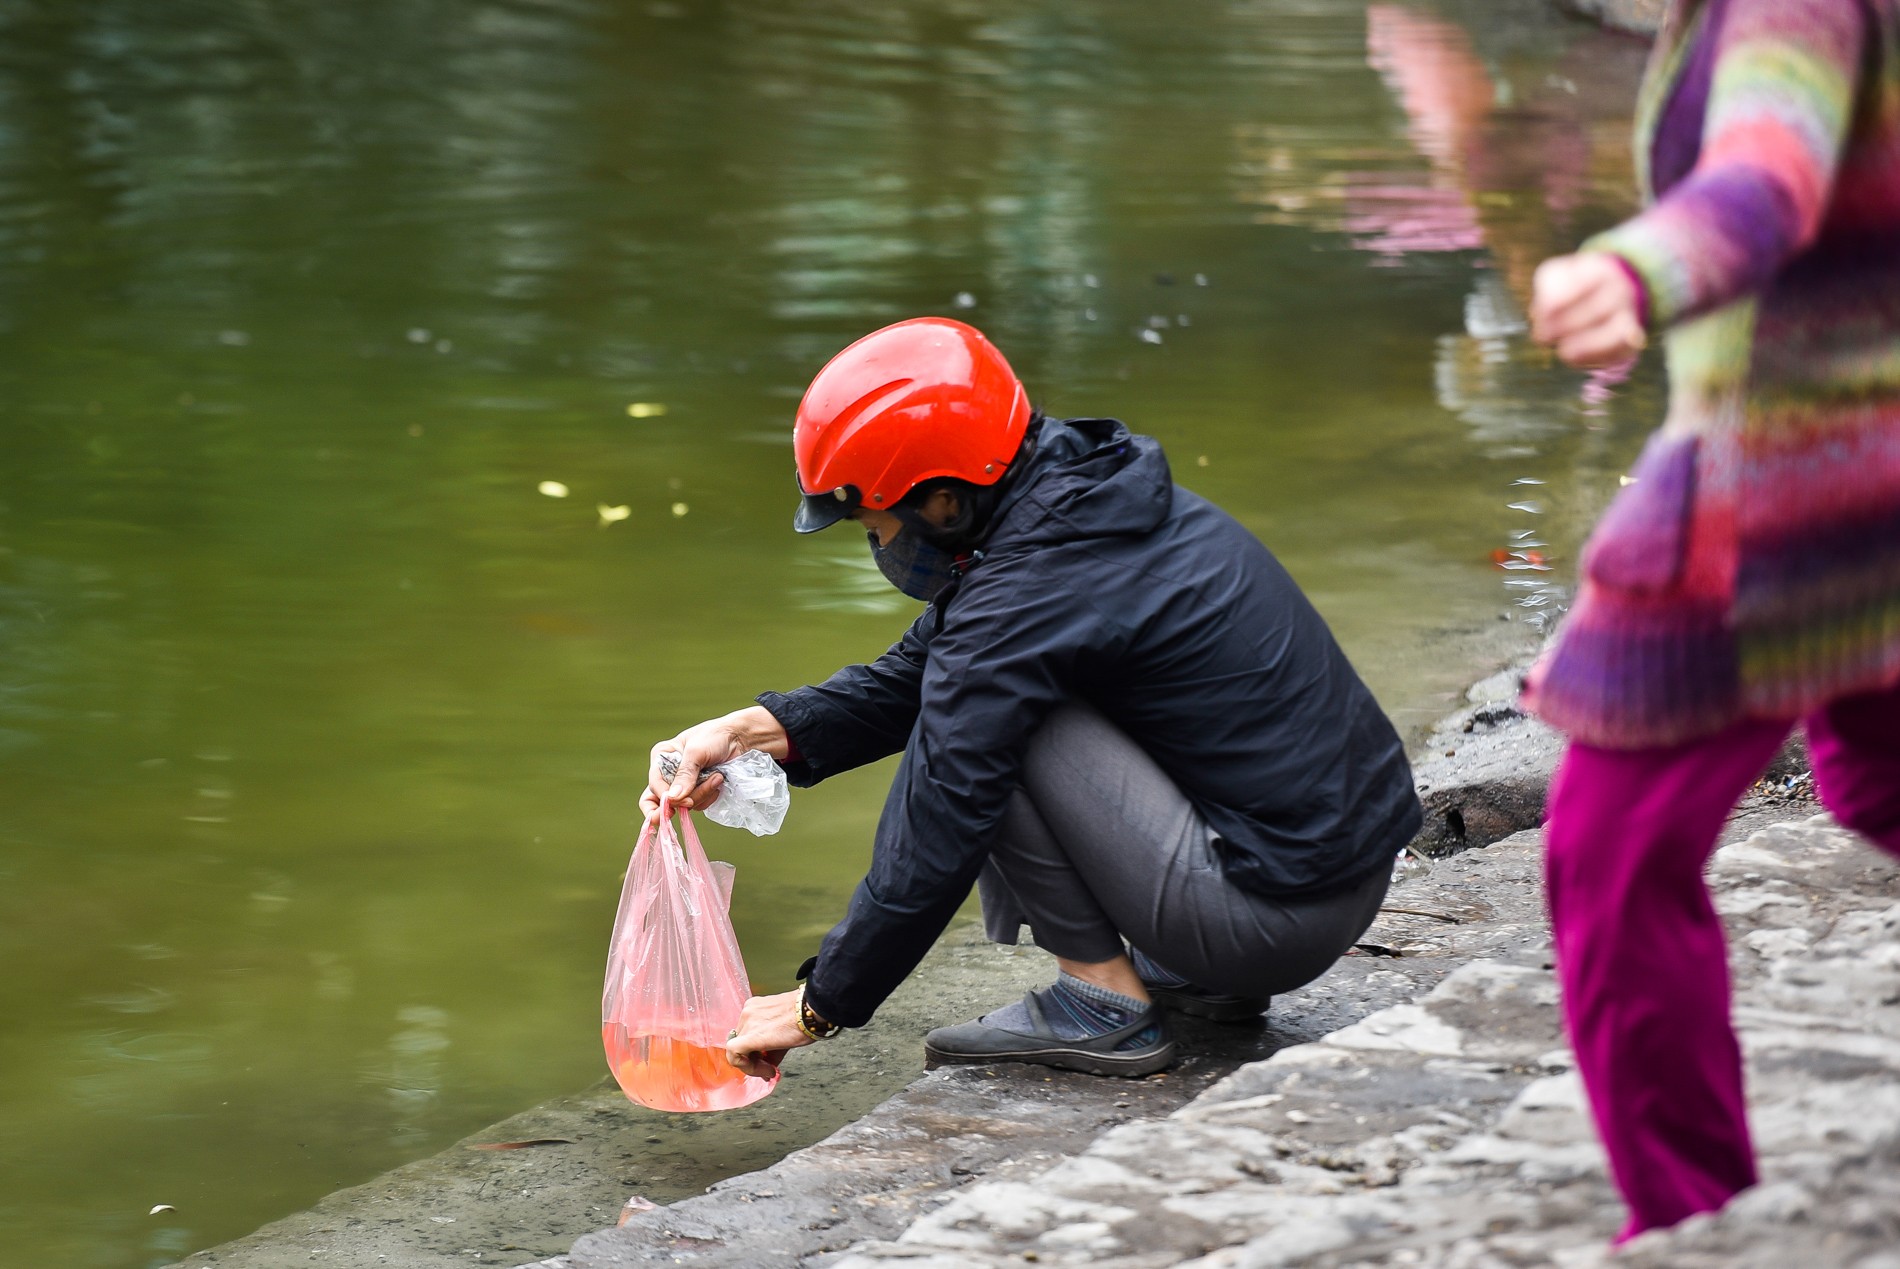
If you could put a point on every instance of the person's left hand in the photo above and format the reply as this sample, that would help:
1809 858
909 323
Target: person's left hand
1587 308
768 1026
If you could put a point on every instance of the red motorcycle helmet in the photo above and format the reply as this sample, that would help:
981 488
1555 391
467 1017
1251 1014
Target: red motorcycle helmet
920 399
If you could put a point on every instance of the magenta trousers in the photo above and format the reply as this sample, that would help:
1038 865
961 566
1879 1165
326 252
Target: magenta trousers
1641 955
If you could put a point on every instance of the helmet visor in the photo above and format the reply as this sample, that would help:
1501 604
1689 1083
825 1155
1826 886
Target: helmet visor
822 510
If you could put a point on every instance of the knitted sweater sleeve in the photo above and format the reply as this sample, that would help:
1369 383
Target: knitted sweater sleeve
1779 107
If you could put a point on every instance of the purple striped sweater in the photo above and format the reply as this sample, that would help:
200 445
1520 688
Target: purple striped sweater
1753 568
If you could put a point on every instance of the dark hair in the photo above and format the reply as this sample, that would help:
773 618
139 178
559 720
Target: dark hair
976 504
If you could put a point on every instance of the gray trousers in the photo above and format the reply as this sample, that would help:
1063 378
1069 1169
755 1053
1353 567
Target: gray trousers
1097 845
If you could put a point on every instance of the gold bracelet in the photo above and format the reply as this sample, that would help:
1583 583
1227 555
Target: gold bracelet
808 1021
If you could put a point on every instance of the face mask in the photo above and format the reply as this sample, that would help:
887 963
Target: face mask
912 565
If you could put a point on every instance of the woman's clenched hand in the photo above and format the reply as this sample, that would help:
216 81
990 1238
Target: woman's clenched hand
1588 308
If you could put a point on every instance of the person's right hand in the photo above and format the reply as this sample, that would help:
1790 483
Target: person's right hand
706 745
691 788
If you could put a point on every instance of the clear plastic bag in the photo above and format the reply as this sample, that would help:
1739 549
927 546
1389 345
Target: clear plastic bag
1410 865
675 979
754 795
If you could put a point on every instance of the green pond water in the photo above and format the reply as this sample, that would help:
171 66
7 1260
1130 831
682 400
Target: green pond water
321 727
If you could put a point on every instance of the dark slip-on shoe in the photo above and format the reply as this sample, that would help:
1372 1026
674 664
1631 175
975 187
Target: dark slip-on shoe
976 1042
1213 1005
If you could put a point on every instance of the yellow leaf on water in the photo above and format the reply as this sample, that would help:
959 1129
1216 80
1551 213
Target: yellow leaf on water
553 488
679 508
608 515
645 410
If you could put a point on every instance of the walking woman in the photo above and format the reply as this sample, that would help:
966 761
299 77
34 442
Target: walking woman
1749 579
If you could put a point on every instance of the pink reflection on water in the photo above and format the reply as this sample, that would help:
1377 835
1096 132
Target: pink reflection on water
1600 387
1499 160
1394 220
1428 64
1430 67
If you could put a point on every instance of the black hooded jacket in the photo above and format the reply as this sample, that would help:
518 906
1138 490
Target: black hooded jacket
1105 582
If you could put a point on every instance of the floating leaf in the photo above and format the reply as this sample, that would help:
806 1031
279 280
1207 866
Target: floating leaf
646 410
521 1145
553 488
610 515
679 508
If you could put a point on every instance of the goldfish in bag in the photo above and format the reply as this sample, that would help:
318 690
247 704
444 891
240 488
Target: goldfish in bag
675 979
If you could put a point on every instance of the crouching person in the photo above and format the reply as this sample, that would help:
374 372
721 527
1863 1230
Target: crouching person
1120 720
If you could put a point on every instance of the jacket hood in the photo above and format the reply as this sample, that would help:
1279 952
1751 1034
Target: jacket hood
1088 478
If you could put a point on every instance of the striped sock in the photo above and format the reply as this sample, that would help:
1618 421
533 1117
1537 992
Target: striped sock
1096 1009
1152 973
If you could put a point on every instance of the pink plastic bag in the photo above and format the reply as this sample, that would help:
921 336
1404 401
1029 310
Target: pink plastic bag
675 979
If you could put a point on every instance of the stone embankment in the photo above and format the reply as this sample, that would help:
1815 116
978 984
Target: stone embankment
471 1204
1414 1106
1445 1128
1452 1131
